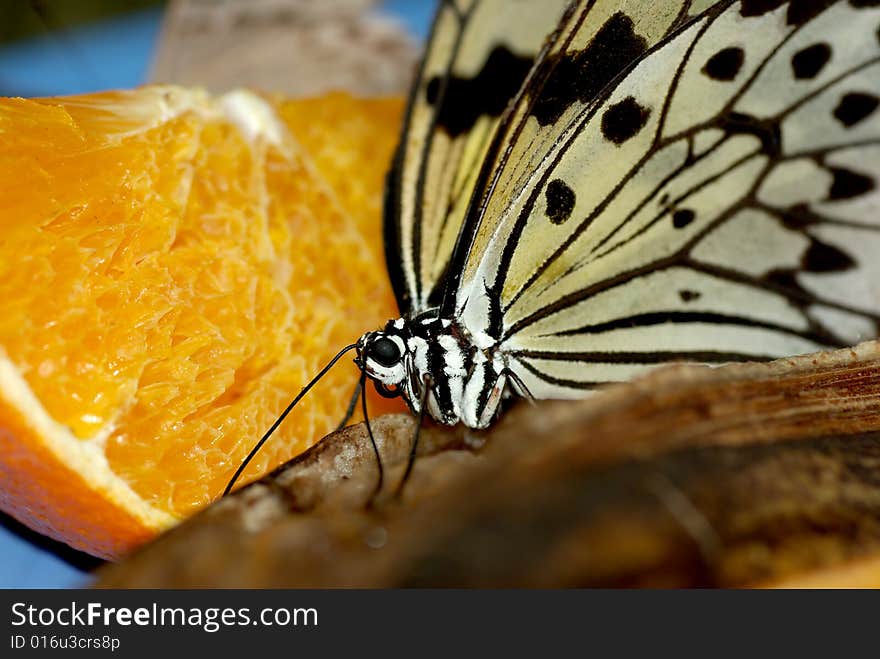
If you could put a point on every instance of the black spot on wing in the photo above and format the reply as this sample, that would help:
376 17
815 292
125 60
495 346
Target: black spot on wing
759 7
801 11
854 107
725 64
799 217
808 62
786 279
821 257
689 296
465 100
623 120
766 130
682 218
798 13
560 201
580 76
848 184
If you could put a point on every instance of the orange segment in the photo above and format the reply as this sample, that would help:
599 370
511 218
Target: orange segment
173 269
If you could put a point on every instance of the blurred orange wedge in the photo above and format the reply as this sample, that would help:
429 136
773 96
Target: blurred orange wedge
173 268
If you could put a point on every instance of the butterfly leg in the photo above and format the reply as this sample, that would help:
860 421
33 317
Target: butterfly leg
521 387
426 391
381 478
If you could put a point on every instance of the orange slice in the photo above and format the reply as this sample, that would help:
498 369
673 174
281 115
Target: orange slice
173 269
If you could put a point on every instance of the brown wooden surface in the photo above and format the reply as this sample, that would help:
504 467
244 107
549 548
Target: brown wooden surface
734 476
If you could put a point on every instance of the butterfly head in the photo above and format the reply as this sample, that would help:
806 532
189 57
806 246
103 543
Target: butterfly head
383 356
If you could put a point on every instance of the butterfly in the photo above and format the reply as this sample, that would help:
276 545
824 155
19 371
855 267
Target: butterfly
584 190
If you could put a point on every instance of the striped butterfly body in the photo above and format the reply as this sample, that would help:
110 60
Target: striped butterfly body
584 190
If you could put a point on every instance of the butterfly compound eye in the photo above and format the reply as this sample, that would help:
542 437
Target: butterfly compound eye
384 351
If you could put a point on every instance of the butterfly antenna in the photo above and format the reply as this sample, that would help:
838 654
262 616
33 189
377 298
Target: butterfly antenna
283 416
352 403
413 449
381 480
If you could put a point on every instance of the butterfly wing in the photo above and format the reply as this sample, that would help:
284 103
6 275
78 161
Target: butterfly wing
593 44
477 57
715 201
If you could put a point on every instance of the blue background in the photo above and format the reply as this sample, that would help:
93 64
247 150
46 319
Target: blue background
110 54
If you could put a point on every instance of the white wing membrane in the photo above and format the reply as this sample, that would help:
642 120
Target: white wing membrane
595 43
479 53
716 201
